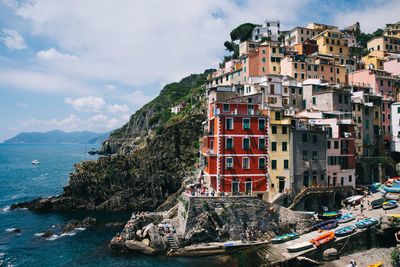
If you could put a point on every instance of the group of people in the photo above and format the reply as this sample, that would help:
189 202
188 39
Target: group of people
166 229
200 191
248 235
138 215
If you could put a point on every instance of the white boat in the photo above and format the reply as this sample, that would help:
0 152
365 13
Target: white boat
35 162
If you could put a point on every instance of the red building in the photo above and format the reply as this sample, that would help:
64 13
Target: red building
235 148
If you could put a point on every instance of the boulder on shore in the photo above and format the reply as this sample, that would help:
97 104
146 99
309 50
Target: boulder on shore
139 247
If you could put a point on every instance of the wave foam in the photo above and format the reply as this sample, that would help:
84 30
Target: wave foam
11 229
5 209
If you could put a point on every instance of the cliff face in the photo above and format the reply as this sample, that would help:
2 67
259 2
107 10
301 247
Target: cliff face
145 161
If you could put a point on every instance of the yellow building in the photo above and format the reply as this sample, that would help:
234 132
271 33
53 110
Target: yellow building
331 42
376 58
279 153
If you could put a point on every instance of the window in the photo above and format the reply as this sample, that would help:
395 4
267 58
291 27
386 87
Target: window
246 124
246 143
328 144
367 124
272 89
273 163
273 146
261 143
278 115
263 51
398 109
305 155
340 99
261 124
336 145
246 163
226 107
284 130
350 178
286 164
229 123
314 138
229 162
315 155
314 100
229 143
331 69
273 129
381 82
304 137
284 146
263 59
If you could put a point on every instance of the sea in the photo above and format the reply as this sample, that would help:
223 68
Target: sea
21 181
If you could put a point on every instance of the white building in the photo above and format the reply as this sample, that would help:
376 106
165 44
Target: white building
395 126
270 29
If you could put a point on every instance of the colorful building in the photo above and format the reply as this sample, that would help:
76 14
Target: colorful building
382 84
270 30
279 153
392 30
235 147
395 131
384 43
302 68
331 42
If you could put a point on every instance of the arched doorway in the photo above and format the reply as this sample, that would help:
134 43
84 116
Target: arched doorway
306 177
235 186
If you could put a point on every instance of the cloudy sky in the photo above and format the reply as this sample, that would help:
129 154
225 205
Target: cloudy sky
89 64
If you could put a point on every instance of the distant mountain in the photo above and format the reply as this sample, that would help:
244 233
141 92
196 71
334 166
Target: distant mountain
58 137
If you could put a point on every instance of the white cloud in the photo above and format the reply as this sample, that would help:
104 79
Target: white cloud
374 14
119 41
116 108
96 123
137 98
22 105
53 54
110 87
87 103
13 40
42 82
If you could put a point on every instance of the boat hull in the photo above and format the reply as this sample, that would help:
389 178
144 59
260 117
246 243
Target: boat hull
300 246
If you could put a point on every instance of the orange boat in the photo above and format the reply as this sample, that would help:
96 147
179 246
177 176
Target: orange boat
323 239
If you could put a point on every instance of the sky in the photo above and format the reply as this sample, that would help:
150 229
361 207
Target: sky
89 64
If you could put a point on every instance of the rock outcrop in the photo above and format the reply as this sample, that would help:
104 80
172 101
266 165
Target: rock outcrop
144 162
141 180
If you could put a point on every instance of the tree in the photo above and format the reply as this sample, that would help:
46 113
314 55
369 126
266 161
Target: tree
242 32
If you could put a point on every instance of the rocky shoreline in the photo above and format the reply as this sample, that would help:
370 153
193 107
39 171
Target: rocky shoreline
205 225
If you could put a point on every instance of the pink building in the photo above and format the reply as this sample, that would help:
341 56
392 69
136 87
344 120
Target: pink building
382 84
392 66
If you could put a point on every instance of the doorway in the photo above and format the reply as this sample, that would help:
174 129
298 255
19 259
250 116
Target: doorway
248 186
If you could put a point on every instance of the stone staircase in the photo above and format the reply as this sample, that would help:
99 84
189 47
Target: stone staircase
172 242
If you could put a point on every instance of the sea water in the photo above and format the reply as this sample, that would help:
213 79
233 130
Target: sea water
22 181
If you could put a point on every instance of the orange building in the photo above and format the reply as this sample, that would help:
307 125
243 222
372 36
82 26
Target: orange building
235 148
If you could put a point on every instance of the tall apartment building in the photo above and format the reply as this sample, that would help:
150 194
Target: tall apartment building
382 84
300 34
309 156
331 42
395 131
235 147
279 152
392 30
367 113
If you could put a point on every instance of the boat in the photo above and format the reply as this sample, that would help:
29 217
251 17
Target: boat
365 223
344 231
329 215
35 162
323 239
391 204
354 200
392 196
326 225
284 238
394 218
378 264
300 246
345 218
392 189
377 203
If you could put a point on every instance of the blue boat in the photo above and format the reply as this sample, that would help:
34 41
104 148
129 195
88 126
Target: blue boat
284 238
344 231
345 218
326 225
390 204
393 189
365 223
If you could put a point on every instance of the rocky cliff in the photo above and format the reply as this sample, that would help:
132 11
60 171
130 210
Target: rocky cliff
144 162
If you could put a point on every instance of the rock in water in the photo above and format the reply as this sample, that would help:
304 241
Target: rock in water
47 234
139 247
73 224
